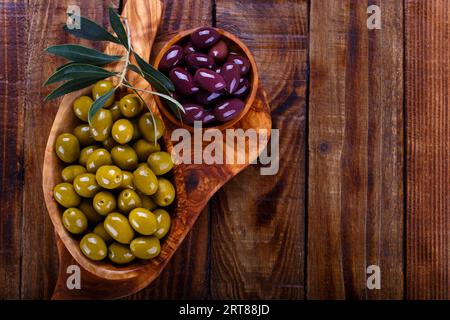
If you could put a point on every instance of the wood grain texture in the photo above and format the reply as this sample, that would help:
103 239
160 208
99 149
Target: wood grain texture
257 230
428 152
39 260
12 89
355 208
187 274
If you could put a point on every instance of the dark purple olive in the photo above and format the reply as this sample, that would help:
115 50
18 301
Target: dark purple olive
240 61
206 98
199 60
209 80
204 37
231 74
182 80
242 89
228 109
208 117
195 89
176 96
172 58
219 51
188 48
193 112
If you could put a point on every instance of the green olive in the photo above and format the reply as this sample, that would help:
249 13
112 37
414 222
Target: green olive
81 107
74 220
145 180
104 202
109 143
87 208
145 247
115 111
99 157
143 221
165 194
130 105
64 193
147 202
124 157
127 180
70 172
100 231
109 177
118 228
102 87
144 148
120 254
128 200
83 134
163 223
147 127
85 153
143 164
93 247
160 162
136 132
86 185
101 124
67 147
122 131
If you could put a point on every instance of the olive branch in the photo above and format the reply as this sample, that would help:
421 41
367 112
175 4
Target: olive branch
85 66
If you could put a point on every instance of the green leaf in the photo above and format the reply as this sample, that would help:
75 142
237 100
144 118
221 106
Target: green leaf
153 73
136 69
90 30
82 54
79 71
174 105
64 65
70 86
118 27
99 103
154 82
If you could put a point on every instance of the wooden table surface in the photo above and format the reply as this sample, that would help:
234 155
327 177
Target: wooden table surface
364 145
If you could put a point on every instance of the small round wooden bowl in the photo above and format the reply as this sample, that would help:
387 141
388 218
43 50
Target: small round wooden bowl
235 45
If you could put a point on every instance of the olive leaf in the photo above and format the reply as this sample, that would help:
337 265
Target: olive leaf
99 103
64 65
79 71
90 30
82 54
163 92
171 102
118 27
153 73
70 86
153 81
83 68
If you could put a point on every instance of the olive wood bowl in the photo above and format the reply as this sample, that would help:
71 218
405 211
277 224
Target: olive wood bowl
235 45
194 183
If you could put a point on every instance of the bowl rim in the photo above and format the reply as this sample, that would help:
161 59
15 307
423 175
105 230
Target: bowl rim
179 37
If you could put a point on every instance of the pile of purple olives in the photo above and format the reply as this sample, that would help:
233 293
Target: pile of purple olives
211 82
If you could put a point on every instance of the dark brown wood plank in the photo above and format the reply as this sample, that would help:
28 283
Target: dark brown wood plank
355 208
257 241
428 152
39 259
187 274
12 61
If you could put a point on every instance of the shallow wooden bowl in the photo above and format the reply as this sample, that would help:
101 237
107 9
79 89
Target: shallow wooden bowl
235 45
195 183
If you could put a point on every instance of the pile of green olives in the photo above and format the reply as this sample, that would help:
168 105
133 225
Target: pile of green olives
115 186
